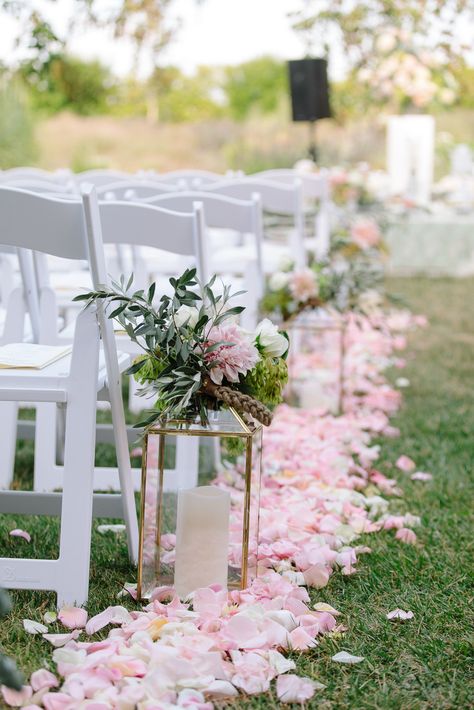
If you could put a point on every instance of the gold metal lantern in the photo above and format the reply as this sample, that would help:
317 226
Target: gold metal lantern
200 501
316 363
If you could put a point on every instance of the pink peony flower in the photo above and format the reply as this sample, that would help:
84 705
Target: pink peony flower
365 233
231 360
303 285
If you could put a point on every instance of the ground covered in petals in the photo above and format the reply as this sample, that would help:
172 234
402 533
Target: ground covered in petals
410 660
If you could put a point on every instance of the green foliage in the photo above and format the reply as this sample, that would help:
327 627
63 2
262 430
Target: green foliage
17 144
257 86
267 379
9 674
182 98
67 82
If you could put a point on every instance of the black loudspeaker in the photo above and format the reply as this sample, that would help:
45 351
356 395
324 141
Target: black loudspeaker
309 89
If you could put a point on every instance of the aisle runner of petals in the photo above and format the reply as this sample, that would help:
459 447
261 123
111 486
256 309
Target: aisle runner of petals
320 493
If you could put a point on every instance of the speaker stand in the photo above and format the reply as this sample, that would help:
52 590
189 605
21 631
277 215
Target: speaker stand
312 148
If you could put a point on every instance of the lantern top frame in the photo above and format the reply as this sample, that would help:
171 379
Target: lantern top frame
236 426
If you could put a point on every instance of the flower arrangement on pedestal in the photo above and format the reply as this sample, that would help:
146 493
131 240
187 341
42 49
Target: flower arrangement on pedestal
196 356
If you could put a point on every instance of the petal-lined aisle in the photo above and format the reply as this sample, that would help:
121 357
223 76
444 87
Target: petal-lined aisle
320 493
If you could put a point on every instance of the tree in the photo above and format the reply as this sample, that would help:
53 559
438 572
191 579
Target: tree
358 23
17 145
404 51
144 22
258 85
65 82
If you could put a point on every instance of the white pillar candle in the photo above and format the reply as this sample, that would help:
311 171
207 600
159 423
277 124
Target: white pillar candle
202 539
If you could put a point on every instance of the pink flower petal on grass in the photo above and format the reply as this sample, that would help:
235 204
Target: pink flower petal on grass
16 698
345 657
58 701
293 689
34 627
421 476
20 533
316 576
72 617
111 615
43 679
405 463
406 535
58 640
400 615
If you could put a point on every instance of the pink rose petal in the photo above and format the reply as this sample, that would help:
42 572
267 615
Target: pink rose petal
20 533
58 640
406 535
293 689
400 615
43 679
405 463
421 476
16 698
73 617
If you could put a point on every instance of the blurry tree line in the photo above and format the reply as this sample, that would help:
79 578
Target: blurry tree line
49 79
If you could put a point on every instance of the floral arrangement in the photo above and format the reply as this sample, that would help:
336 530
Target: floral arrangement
350 188
406 73
196 356
291 291
361 235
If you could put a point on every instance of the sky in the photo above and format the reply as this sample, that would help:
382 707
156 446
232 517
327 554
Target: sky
215 32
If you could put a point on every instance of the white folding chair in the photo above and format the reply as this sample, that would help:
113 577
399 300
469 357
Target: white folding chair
101 176
316 188
42 186
25 173
70 230
188 179
241 216
126 223
276 199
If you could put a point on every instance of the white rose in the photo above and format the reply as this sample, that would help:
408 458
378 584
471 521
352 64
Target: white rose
186 314
286 263
271 341
278 280
385 42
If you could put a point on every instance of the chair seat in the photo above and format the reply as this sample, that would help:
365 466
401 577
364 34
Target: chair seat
51 382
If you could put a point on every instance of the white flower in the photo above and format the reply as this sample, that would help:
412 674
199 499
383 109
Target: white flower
271 342
278 280
386 42
447 96
186 314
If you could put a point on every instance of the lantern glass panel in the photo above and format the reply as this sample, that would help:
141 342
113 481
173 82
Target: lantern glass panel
200 504
316 361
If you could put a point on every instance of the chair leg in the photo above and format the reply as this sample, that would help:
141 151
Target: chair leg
45 447
8 419
125 470
78 479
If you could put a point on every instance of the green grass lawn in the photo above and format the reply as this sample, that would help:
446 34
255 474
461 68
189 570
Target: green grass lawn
419 665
